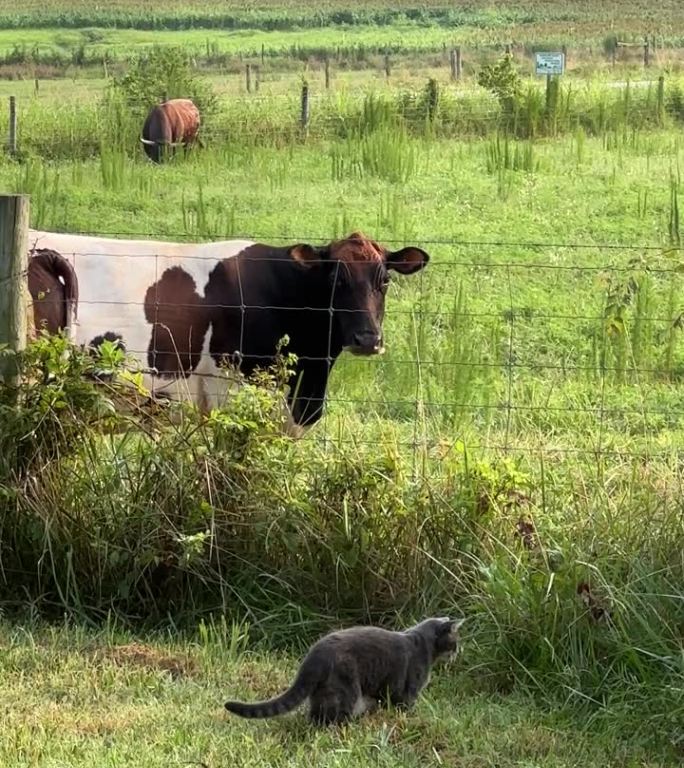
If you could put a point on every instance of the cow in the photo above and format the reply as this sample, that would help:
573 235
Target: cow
168 125
53 287
183 310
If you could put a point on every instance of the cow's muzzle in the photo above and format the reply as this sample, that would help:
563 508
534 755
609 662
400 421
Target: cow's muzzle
366 344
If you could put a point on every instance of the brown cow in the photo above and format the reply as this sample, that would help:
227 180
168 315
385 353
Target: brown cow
53 287
172 123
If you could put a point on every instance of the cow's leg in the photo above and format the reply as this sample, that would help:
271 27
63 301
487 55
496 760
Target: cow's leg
307 392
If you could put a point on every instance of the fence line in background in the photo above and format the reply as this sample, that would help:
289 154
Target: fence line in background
302 118
449 52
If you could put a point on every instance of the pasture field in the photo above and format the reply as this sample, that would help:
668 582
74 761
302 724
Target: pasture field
66 36
530 241
514 457
79 698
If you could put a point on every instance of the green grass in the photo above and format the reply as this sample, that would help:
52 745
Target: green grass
532 382
79 698
60 120
577 190
124 42
627 15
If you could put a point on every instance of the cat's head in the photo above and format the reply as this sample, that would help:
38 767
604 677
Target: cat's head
446 638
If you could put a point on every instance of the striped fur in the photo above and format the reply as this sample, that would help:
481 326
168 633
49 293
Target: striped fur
307 679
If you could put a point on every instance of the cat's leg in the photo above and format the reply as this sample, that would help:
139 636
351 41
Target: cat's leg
334 703
415 682
396 689
405 694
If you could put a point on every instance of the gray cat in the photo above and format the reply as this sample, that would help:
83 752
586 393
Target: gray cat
349 672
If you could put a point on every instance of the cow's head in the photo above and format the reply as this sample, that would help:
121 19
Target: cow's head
356 271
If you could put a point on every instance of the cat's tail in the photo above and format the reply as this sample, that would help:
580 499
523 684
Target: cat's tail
307 678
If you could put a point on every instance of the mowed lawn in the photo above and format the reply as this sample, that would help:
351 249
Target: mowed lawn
72 698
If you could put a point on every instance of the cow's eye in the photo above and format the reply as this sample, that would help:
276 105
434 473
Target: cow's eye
338 280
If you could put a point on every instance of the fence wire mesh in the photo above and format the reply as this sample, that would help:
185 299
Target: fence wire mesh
537 356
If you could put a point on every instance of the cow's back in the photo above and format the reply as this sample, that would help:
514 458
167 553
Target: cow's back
183 118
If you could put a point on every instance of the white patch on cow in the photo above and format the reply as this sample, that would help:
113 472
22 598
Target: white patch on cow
113 277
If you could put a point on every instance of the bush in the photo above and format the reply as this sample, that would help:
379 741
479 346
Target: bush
163 71
504 81
110 507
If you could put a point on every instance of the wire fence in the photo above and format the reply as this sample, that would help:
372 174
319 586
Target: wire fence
78 128
528 357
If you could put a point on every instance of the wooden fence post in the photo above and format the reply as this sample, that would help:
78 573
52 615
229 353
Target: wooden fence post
647 56
12 138
660 100
248 77
455 62
36 84
14 295
263 54
327 72
304 116
388 68
257 77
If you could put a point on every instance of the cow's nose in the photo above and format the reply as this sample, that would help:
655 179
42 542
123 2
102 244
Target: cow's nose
367 341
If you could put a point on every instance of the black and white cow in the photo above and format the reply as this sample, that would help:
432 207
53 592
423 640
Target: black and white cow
182 309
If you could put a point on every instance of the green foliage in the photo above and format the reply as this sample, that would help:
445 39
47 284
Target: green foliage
177 510
610 44
105 685
53 401
504 81
163 71
431 96
502 154
405 498
172 514
75 130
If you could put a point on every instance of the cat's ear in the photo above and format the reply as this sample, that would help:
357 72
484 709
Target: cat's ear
444 624
454 626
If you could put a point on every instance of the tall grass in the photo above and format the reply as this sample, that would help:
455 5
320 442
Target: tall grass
79 130
572 588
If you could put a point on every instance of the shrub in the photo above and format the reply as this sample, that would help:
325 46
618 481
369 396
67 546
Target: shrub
163 71
504 81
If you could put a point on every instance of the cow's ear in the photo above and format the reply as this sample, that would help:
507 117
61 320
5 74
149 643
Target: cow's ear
407 260
306 255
